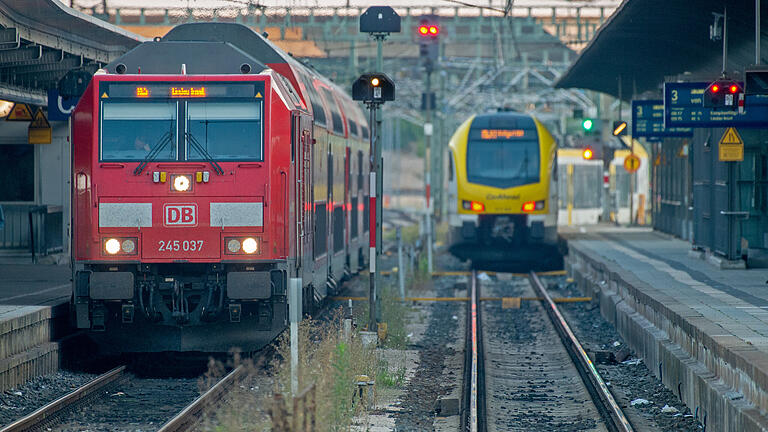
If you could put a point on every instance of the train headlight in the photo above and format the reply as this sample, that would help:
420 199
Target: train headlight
233 246
473 205
112 246
181 183
250 245
128 246
534 205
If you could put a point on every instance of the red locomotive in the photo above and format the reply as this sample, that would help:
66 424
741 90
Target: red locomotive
209 167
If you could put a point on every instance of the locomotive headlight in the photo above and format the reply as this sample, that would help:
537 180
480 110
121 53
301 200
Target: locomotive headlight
181 183
250 245
233 245
112 246
128 246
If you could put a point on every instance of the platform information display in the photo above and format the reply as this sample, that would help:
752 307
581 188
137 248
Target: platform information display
684 107
648 121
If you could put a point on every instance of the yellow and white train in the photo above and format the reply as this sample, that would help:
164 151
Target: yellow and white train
502 198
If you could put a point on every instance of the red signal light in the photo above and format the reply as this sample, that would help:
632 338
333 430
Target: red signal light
423 29
434 30
734 88
587 154
715 88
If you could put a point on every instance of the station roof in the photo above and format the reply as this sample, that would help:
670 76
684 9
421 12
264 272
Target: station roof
645 41
40 40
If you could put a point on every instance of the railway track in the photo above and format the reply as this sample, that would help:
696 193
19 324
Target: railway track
105 394
523 372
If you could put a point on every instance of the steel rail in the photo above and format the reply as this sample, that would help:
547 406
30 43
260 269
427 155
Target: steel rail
46 412
614 418
473 391
190 415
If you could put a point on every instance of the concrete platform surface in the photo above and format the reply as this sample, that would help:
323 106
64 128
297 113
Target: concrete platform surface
34 285
702 330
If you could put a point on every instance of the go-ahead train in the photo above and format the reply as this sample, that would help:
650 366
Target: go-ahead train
503 190
209 167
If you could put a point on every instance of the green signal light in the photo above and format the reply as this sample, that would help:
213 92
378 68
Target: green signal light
587 124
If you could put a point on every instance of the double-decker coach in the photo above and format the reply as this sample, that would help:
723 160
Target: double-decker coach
209 168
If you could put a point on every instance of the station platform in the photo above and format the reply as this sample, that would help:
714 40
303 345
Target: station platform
34 305
702 330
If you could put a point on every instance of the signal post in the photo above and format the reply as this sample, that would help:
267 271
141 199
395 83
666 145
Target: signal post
427 34
374 89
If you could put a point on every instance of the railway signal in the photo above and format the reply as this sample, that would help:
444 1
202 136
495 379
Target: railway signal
379 22
427 34
588 153
373 88
587 124
619 128
723 93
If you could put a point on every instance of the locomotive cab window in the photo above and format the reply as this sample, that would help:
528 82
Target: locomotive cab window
131 130
503 158
224 130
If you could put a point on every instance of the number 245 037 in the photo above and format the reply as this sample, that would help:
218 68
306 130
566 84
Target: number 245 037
180 245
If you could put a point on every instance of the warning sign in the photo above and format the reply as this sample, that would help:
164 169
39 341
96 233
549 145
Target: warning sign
731 147
631 163
39 131
258 94
20 112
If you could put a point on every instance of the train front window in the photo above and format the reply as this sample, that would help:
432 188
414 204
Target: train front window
225 131
502 163
132 130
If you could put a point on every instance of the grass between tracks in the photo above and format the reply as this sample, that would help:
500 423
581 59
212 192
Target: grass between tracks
331 363
327 360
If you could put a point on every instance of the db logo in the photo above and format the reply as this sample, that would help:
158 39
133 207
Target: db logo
180 214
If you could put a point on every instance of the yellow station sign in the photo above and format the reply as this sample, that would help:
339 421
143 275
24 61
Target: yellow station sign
39 131
731 147
631 163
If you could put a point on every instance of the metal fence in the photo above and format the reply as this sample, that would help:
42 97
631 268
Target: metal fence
38 230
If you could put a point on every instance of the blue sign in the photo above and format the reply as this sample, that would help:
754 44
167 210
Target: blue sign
60 108
648 121
684 107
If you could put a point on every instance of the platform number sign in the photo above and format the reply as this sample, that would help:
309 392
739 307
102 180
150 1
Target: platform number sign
731 146
631 163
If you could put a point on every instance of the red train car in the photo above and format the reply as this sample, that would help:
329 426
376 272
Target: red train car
209 168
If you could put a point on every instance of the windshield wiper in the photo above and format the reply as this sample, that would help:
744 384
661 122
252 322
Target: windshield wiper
156 149
207 156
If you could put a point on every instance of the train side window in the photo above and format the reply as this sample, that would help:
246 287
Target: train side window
352 127
338 125
318 111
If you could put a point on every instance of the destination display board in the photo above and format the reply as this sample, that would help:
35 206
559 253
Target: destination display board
181 90
684 107
648 121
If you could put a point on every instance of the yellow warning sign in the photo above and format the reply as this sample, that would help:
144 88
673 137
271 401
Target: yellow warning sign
104 95
631 163
731 146
258 94
20 112
39 131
